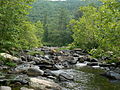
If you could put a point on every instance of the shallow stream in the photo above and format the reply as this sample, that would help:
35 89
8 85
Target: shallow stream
87 78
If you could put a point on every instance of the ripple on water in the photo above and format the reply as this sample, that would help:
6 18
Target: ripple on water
88 79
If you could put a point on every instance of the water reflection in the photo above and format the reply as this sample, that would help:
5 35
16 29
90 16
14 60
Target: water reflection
87 78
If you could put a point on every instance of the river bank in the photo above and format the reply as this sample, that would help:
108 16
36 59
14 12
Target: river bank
47 68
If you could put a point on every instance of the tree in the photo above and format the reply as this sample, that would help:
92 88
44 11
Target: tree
98 27
15 30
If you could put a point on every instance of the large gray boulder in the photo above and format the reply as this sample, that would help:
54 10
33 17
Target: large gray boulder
29 69
40 84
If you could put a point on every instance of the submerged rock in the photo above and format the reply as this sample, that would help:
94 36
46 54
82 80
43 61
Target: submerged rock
112 75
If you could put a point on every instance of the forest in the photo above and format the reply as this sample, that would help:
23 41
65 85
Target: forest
91 25
49 27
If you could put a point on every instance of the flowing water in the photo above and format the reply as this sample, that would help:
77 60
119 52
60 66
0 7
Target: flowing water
87 78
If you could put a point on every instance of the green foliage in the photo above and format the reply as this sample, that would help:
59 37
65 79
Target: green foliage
16 30
112 61
35 52
97 53
11 64
98 28
7 62
55 16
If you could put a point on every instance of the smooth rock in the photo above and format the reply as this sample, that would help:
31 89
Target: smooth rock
29 69
81 64
39 84
5 88
57 72
10 57
22 68
24 88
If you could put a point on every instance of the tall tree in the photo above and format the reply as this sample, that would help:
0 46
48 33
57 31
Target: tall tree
14 26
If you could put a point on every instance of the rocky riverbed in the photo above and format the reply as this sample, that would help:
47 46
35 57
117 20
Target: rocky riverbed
51 69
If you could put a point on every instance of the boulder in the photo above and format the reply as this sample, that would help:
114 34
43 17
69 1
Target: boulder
39 84
22 68
112 75
10 57
5 88
31 70
34 71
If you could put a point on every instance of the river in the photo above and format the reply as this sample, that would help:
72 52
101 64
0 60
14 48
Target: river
87 78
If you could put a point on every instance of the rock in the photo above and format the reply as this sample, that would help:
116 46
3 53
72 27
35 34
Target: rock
106 65
112 75
66 64
31 70
93 60
92 64
58 66
24 88
10 57
34 71
5 88
39 84
81 64
22 68
23 79
65 58
57 72
32 58
73 60
96 66
65 77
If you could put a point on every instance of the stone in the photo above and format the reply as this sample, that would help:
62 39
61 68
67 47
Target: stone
92 64
10 57
34 71
73 60
65 77
39 84
22 68
23 79
29 69
24 88
112 75
58 66
5 88
81 64
93 60
57 72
